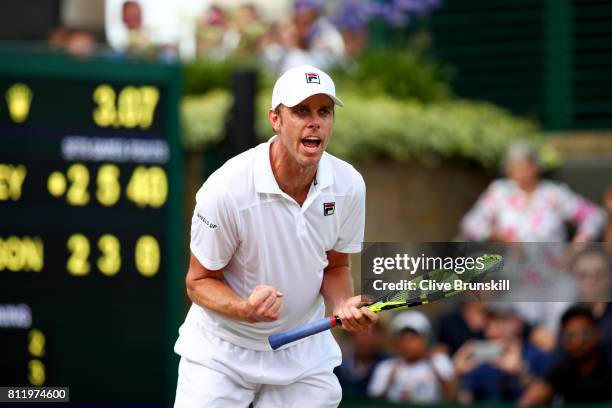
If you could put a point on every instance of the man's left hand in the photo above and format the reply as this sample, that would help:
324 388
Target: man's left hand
355 317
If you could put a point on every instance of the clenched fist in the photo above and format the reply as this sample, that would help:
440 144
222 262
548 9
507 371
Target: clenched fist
264 304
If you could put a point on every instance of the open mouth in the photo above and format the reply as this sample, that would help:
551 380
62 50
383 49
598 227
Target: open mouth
311 143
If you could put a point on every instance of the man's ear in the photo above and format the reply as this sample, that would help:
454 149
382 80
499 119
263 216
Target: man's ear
274 117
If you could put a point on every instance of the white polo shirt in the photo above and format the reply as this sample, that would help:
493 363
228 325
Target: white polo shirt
244 223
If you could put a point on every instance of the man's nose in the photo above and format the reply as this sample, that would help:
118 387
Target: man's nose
314 121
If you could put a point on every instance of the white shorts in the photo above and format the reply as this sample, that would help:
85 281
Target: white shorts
226 375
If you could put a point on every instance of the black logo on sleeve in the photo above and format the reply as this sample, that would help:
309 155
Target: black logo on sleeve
205 221
329 208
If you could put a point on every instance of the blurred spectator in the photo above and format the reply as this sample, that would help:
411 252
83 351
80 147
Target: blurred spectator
582 371
246 21
215 38
131 15
463 323
524 208
76 42
359 362
138 39
311 38
58 37
593 269
607 203
498 368
416 375
149 28
81 43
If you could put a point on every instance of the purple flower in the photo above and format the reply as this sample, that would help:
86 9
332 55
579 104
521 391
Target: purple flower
414 6
308 5
355 14
352 15
395 18
377 9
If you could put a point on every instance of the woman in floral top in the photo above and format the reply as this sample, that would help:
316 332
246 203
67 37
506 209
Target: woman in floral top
524 208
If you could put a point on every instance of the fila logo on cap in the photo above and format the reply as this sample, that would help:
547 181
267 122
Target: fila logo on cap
329 208
312 78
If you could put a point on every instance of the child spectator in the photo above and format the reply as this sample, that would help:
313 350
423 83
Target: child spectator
415 375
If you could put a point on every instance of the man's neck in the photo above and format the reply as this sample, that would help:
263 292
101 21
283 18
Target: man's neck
293 179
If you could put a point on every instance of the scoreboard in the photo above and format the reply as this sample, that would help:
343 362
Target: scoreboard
91 246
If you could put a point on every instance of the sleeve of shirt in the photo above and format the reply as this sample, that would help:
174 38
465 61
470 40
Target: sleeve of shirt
353 220
476 224
587 216
443 366
380 378
214 227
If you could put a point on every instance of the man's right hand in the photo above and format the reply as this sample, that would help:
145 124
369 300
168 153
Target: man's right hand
263 305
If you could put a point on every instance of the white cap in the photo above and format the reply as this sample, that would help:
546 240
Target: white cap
413 320
301 82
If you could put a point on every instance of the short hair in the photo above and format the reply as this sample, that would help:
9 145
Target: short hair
130 3
578 311
521 150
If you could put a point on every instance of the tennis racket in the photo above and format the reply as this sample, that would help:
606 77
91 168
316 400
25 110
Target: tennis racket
397 300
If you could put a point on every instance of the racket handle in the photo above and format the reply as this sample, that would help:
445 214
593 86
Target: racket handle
280 339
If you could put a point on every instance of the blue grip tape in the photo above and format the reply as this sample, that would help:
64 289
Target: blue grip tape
280 339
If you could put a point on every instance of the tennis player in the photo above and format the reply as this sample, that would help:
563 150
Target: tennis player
271 236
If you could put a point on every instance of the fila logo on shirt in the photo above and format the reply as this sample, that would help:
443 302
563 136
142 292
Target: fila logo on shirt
312 78
329 208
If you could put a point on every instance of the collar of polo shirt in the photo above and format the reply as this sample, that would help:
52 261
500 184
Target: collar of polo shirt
265 182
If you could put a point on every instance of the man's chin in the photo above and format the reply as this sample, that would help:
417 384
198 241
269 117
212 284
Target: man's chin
310 160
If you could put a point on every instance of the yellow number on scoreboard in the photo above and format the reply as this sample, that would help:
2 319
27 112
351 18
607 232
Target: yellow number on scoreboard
149 98
148 187
79 177
36 344
109 189
110 261
147 255
105 113
137 187
129 107
158 183
134 107
37 375
78 245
